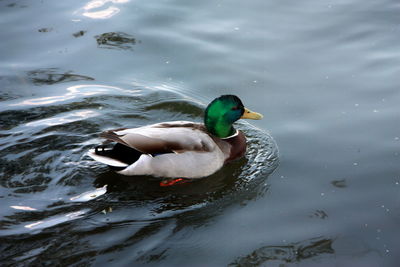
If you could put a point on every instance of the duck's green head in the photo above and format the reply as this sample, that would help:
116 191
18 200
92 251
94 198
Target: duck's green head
223 111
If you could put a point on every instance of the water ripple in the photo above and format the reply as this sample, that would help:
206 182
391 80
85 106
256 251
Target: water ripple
51 185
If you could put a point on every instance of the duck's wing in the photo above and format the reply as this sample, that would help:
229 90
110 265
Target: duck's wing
176 136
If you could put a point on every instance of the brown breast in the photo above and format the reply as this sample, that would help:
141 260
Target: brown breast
238 146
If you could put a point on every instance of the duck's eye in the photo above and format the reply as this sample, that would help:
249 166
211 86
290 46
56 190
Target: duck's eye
235 108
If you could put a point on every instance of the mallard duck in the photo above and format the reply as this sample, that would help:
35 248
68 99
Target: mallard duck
181 149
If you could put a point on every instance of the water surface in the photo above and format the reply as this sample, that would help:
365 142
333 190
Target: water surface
325 74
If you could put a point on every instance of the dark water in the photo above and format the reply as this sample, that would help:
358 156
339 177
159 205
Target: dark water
325 74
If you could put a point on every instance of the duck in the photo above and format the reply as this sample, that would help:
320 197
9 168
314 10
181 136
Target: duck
178 149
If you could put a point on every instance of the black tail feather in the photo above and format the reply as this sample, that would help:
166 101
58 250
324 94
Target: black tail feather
119 152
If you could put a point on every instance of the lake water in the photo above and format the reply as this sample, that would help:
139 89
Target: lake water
320 184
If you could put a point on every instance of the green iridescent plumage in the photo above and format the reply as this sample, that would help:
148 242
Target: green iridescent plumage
221 114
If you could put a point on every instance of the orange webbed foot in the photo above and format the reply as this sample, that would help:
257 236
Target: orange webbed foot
175 181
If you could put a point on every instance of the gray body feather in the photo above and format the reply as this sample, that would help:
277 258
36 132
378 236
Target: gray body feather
186 150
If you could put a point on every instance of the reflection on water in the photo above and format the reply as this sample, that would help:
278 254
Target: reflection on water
79 34
52 76
23 208
38 77
72 92
45 29
90 195
52 221
97 9
319 214
115 40
339 183
8 84
293 253
64 119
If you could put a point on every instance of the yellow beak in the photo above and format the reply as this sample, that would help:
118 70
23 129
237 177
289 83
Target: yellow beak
248 114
